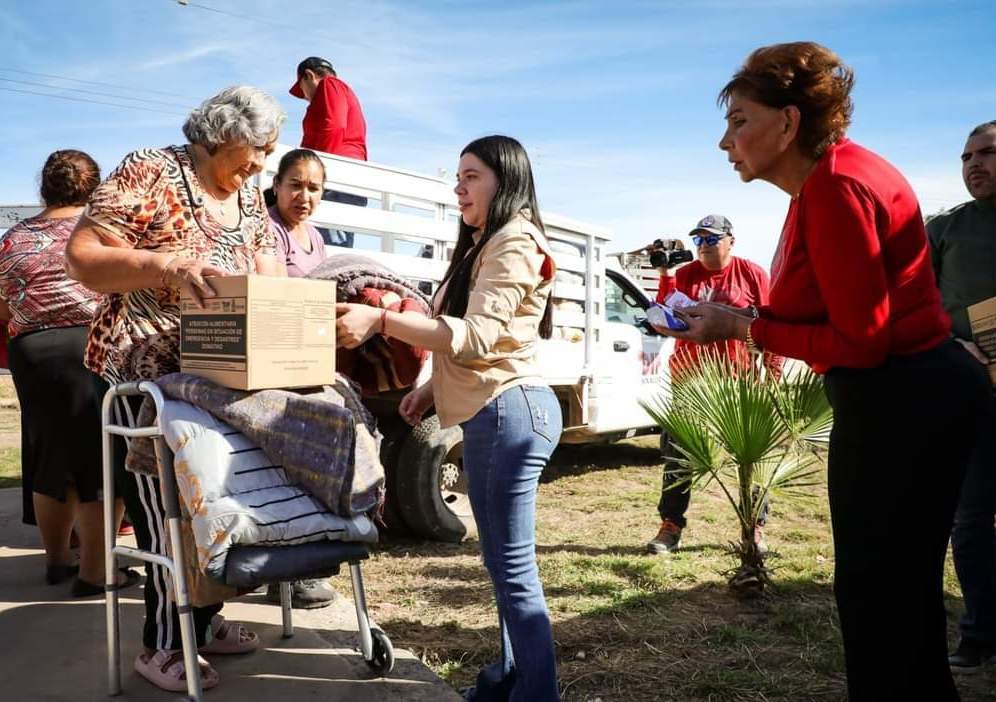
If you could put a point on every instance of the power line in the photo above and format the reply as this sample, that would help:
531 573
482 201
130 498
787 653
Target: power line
91 92
249 18
252 18
95 102
94 82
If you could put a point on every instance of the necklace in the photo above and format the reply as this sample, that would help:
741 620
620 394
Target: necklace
220 204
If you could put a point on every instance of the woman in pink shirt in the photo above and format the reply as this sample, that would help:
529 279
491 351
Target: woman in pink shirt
298 187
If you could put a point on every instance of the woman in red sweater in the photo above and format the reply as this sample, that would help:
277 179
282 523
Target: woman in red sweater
853 294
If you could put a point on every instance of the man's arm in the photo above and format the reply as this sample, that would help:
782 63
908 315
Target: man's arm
935 241
666 286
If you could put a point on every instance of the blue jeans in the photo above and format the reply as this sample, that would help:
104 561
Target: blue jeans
505 448
973 539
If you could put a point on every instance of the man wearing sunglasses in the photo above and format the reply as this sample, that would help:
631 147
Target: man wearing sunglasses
715 276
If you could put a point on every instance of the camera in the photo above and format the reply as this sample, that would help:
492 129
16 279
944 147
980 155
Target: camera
668 253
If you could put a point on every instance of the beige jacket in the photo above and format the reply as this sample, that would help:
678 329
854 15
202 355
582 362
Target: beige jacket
494 346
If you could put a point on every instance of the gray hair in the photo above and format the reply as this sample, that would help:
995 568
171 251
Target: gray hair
984 127
237 115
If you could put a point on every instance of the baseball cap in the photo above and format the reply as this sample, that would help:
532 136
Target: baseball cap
714 224
312 63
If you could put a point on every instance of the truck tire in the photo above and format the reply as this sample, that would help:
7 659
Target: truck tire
432 494
395 431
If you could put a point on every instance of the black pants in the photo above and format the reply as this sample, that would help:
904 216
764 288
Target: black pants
973 539
340 237
144 504
901 440
674 500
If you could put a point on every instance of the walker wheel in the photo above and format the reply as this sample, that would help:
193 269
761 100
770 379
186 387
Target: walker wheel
382 661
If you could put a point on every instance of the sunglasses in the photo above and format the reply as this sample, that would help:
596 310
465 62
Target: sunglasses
710 240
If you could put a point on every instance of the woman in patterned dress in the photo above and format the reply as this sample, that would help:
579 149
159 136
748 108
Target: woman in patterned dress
47 316
166 221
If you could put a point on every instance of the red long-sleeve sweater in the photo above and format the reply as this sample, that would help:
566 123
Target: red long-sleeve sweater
852 281
334 122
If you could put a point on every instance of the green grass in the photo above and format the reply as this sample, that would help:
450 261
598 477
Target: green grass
635 627
10 467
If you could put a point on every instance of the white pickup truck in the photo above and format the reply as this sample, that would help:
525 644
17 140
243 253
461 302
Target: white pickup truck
602 360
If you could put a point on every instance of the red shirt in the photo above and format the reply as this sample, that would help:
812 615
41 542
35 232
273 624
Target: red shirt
740 284
334 122
852 281
665 287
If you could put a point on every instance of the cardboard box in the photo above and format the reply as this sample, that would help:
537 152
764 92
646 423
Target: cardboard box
982 317
261 332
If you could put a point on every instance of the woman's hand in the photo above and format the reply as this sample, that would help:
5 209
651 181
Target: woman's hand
707 323
190 275
416 403
355 323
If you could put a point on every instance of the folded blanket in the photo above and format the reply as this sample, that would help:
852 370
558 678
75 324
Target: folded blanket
235 496
353 272
327 442
383 364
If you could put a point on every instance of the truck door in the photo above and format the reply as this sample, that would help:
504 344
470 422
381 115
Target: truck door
632 358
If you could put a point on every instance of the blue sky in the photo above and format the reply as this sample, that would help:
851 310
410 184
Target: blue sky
615 101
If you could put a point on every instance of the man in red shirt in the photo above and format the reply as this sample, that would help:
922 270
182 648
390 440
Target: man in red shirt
716 276
333 124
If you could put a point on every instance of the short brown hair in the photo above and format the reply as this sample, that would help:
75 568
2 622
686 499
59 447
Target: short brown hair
803 74
68 178
984 127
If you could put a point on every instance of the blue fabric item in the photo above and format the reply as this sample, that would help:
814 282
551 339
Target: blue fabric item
506 445
252 566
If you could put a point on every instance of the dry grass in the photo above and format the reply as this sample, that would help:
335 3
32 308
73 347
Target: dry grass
630 626
10 435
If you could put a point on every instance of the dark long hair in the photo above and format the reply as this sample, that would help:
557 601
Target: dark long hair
516 195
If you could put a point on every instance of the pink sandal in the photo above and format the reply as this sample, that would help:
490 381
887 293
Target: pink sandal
166 670
229 638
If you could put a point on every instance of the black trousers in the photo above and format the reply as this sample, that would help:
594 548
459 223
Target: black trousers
973 539
340 237
144 504
901 440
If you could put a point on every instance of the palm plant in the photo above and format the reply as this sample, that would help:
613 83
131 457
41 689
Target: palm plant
752 434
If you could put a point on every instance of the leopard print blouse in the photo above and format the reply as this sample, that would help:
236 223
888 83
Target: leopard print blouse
154 201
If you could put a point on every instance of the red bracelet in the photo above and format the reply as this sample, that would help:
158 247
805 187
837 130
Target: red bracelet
383 322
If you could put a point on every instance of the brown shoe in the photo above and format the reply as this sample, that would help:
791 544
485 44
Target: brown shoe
667 540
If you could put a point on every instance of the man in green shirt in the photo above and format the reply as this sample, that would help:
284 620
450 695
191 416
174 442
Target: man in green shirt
963 249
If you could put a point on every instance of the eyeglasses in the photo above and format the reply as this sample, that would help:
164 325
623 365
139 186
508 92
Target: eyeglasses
710 240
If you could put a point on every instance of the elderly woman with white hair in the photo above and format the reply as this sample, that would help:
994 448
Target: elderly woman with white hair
164 221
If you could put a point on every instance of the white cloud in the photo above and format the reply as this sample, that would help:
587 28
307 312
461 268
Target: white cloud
186 56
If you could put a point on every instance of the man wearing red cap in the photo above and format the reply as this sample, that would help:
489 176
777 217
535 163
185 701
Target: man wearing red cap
334 120
334 124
